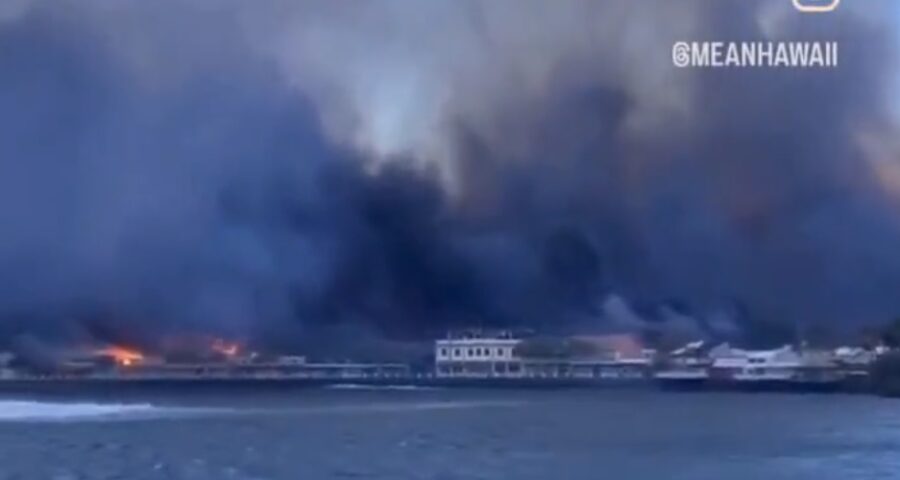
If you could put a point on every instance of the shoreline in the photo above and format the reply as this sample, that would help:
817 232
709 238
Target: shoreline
187 384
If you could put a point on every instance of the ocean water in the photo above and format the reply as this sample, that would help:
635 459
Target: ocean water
392 434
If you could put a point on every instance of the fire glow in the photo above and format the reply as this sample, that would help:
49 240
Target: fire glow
123 356
228 349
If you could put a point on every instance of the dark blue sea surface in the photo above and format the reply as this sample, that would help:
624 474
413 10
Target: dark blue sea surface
391 434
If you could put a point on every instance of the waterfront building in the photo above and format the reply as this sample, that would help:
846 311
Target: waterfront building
607 357
294 367
738 364
477 355
855 356
781 364
689 363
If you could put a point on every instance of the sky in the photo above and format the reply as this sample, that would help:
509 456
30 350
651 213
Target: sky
285 172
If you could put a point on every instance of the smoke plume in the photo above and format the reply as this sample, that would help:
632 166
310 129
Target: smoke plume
280 171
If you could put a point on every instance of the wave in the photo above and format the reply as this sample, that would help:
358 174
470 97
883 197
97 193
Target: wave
400 407
34 411
362 386
25 410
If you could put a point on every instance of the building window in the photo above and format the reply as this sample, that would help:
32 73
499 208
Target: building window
443 352
456 352
499 352
471 352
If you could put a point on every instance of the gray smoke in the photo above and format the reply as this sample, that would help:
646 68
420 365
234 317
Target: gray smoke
279 171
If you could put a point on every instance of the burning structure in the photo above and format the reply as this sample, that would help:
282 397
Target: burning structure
217 360
121 356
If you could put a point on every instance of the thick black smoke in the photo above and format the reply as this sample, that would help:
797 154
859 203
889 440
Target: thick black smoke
288 171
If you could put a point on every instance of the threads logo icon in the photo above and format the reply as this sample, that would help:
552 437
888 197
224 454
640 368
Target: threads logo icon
816 6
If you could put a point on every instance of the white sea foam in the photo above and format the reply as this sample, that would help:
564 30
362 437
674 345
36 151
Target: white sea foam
400 407
362 386
35 411
27 411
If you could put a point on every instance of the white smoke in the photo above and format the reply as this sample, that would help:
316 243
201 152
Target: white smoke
395 78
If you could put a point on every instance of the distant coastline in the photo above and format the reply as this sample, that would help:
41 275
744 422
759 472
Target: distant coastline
483 360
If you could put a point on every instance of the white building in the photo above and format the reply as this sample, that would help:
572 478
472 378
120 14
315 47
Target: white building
690 362
612 357
737 364
855 356
785 363
477 357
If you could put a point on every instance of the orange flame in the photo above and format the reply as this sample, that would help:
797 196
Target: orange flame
229 349
123 356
